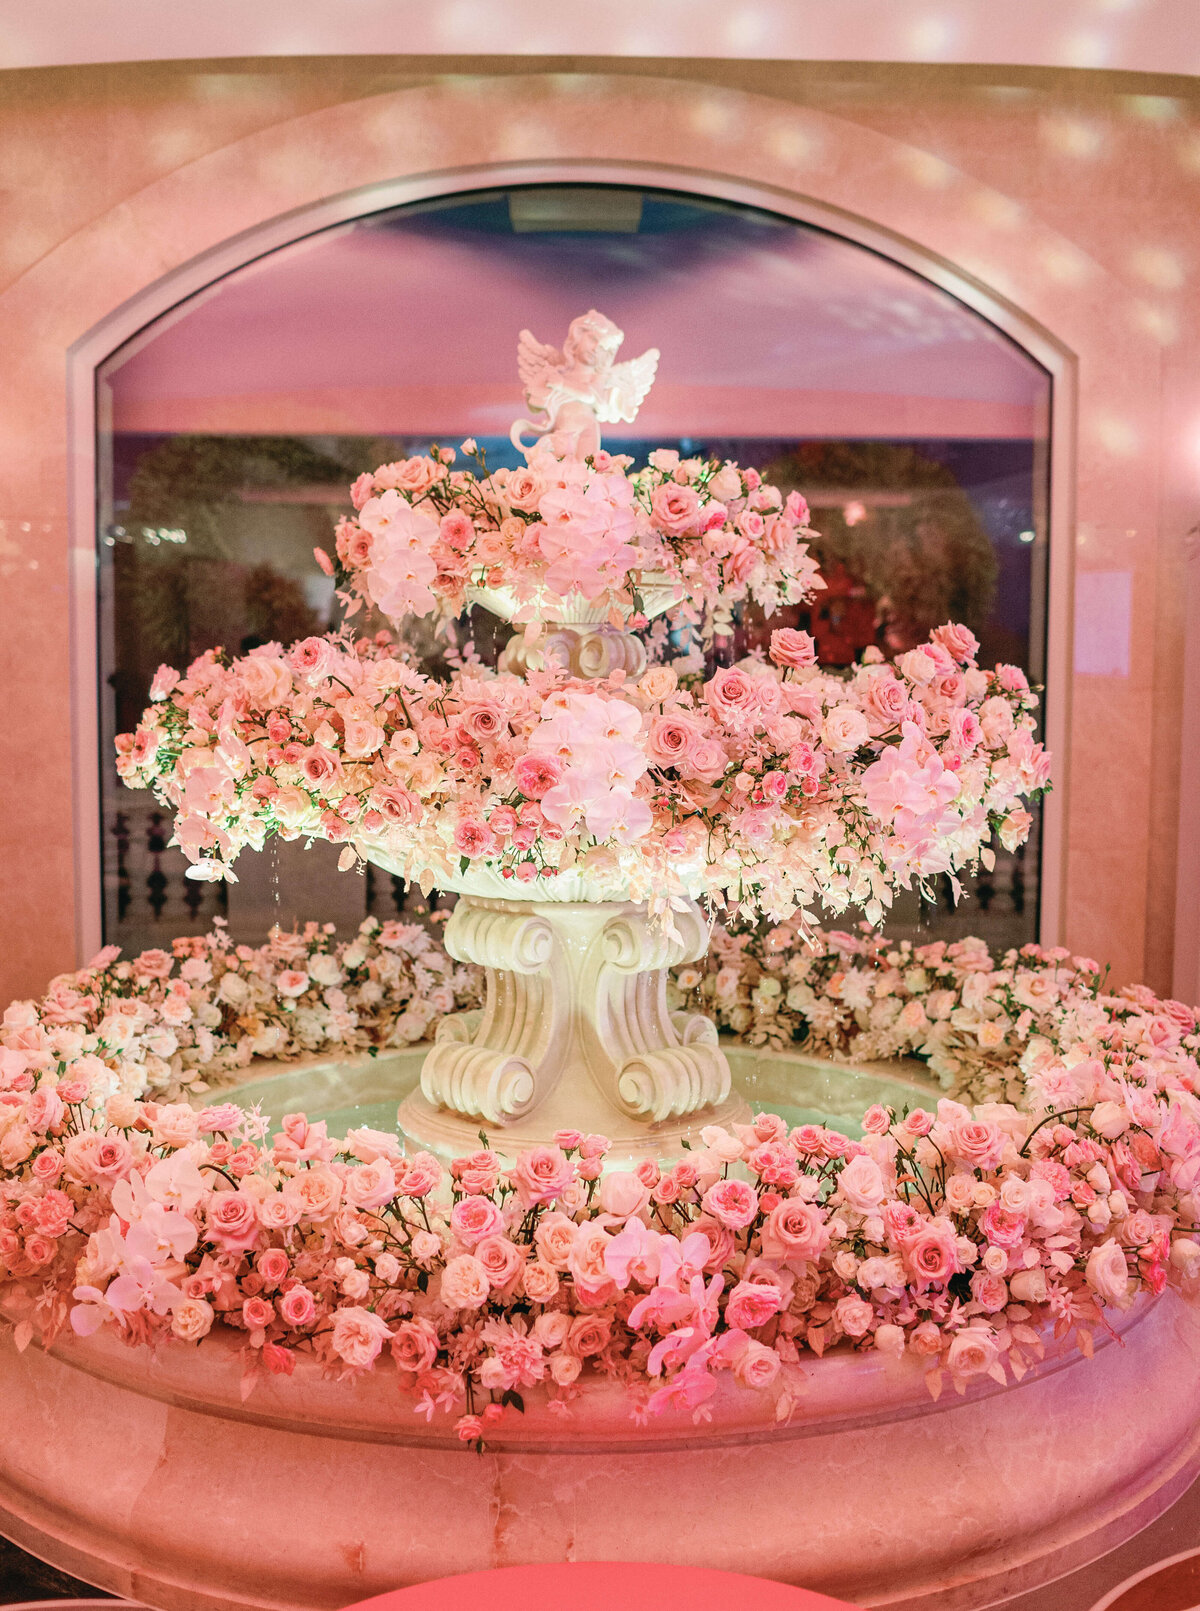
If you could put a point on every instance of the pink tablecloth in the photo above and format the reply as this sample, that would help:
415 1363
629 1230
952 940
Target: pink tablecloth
601 1586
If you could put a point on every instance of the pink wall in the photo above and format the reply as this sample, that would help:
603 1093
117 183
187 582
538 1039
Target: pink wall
1073 200
1154 36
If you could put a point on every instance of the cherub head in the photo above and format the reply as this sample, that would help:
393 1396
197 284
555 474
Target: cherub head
592 341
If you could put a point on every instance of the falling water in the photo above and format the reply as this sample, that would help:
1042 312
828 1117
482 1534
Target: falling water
274 854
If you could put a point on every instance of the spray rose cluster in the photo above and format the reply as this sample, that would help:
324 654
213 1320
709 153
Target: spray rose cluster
955 1235
777 786
562 530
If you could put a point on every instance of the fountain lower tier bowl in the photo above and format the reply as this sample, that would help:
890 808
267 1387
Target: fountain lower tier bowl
149 1476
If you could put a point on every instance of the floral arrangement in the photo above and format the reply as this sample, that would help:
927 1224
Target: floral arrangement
956 1234
561 531
860 998
773 786
170 1025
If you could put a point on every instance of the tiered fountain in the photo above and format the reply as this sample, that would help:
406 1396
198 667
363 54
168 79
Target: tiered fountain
153 1475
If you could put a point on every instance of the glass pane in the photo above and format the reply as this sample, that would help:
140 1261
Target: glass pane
233 427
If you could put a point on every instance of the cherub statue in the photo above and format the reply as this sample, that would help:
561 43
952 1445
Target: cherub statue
580 387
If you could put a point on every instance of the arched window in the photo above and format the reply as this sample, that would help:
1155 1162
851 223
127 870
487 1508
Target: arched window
231 427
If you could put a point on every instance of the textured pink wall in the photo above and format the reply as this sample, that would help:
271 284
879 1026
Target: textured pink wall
1074 199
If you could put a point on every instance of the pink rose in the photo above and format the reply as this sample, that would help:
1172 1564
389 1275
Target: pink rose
669 740
958 641
539 1282
191 1319
317 1192
523 489
479 1174
708 760
257 1313
165 678
1107 1273
554 1239
794 1230
473 837
978 1143
231 1221
473 1218
860 1185
273 1265
844 729
732 1203
623 1193
854 1315
541 1174
990 1292
589 1265
1012 679
371 1186
757 1366
791 648
422 1174
297 1307
1001 1227
973 1352
97 1160
885 700
312 658
536 775
731 694
589 1335
415 1346
932 1254
45 1109
414 476
675 510
753 1303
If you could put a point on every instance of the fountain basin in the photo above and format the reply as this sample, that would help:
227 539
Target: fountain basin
151 1477
366 1090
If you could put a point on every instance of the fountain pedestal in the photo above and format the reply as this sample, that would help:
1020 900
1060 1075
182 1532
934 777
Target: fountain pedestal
575 1032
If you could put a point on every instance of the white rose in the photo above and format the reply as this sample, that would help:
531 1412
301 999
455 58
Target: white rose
860 1185
1107 1273
972 1352
565 1368
324 969
622 1193
1029 1286
192 1319
890 1340
844 729
1110 1120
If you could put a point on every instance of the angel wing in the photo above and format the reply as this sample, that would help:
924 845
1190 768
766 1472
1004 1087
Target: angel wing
628 384
538 365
